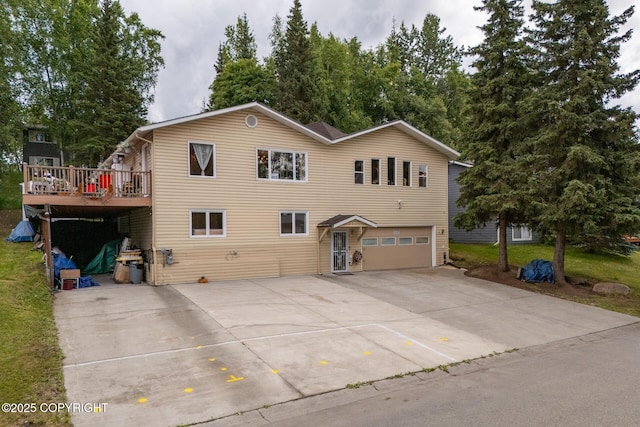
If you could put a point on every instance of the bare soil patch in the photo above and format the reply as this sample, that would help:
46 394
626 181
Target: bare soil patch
9 219
629 304
493 274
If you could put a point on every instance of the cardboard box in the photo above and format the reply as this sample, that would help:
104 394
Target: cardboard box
70 274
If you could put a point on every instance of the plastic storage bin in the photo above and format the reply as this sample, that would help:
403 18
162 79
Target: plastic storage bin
135 272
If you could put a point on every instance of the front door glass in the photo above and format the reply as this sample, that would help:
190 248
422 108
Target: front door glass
339 252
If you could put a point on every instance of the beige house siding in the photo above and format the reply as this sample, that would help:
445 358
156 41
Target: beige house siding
253 246
141 235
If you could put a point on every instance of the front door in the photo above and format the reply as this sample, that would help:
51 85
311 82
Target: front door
339 252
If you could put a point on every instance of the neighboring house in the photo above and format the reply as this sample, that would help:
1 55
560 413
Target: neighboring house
39 148
247 192
487 234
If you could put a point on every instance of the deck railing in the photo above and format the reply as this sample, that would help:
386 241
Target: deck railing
70 180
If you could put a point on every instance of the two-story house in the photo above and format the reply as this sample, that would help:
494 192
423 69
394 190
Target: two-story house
247 192
489 234
38 147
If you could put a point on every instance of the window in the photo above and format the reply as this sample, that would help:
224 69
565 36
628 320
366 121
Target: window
375 171
44 161
521 233
208 223
388 241
406 174
422 176
293 223
370 241
359 172
202 159
405 241
422 240
282 165
39 136
391 171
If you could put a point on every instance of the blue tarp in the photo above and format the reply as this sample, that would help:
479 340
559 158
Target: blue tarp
86 282
61 262
538 271
22 233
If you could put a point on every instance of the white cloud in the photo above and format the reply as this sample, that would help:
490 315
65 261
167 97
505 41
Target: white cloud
194 29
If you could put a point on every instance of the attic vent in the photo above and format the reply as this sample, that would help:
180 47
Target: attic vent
251 121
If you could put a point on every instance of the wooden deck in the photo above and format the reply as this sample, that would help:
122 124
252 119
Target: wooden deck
85 187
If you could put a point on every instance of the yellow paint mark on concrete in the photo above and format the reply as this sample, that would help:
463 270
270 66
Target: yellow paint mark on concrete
367 353
324 362
223 369
234 379
199 347
275 371
188 390
409 343
444 339
212 359
97 409
142 400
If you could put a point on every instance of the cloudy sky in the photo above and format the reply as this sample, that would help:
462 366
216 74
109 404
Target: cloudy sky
193 29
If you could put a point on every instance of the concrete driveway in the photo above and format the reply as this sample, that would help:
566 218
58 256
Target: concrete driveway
183 354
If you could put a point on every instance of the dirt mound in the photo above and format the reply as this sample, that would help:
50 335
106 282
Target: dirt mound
493 274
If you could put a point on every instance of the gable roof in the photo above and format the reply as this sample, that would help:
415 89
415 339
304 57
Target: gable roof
340 220
320 133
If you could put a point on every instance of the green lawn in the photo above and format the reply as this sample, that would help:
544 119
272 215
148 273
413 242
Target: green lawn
598 267
30 357
10 196
595 268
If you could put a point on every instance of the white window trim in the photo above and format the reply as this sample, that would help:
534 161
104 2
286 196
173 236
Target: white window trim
382 243
405 244
293 223
34 140
426 176
35 160
521 239
410 183
215 157
379 172
361 173
369 238
207 212
294 152
395 171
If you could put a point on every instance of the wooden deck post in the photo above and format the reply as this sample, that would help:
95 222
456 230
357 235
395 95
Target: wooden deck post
25 177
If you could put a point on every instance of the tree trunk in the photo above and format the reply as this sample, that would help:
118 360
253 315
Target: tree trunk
558 257
503 262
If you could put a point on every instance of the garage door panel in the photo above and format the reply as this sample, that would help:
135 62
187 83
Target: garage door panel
387 256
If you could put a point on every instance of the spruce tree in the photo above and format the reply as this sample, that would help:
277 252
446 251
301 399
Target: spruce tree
117 79
585 176
239 77
493 188
295 88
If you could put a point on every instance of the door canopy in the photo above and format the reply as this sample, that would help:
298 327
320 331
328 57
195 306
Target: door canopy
346 221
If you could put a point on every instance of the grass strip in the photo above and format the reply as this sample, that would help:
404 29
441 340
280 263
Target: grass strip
30 357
